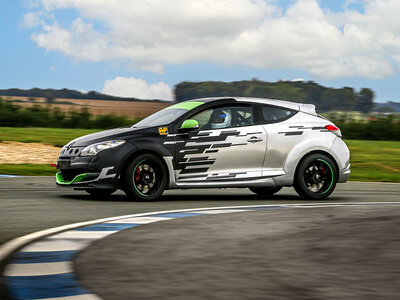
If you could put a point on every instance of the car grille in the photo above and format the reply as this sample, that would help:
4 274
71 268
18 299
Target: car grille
70 152
71 173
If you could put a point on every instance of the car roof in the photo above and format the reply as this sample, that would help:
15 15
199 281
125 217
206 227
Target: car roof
287 104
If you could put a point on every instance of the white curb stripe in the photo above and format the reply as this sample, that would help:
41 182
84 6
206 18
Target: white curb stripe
38 269
77 234
56 245
140 220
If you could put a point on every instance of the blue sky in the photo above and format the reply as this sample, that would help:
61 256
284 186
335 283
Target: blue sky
143 48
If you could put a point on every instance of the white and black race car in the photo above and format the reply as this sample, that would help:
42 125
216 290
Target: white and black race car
261 144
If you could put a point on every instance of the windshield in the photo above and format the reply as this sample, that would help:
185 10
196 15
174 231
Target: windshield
162 117
167 115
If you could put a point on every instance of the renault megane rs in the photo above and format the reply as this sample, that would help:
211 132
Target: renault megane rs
260 144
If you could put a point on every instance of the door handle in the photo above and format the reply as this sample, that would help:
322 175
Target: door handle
254 139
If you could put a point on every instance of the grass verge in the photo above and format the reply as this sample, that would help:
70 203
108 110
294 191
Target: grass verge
27 170
52 136
374 160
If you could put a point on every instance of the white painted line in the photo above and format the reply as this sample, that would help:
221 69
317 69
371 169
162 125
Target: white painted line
79 234
222 211
140 220
56 245
38 269
77 297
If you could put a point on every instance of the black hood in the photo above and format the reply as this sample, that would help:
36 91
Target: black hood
106 135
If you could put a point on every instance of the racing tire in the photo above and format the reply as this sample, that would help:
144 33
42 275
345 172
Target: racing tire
100 193
315 177
265 191
145 178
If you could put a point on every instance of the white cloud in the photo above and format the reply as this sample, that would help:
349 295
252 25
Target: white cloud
137 88
154 33
32 19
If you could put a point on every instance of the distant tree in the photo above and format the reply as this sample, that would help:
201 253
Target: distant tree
50 99
365 102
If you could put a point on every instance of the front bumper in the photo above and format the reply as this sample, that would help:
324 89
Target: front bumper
101 171
105 179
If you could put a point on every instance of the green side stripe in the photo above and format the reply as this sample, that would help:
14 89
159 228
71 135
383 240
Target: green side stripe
331 173
78 178
186 105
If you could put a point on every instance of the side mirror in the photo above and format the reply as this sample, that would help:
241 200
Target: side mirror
189 124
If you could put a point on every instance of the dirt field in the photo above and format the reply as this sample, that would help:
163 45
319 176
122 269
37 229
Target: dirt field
28 153
100 107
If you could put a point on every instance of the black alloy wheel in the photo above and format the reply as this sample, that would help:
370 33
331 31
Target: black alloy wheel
145 178
316 177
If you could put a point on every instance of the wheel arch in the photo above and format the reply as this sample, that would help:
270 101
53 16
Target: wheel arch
138 152
319 152
300 152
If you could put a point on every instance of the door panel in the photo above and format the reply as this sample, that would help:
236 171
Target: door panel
220 154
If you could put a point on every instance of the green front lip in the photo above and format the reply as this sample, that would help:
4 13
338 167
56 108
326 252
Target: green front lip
78 178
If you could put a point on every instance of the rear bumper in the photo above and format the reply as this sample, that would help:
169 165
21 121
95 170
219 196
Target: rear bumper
344 174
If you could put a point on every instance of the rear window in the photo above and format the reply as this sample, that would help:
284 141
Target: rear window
272 114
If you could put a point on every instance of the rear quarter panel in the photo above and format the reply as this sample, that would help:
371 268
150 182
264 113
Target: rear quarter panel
289 141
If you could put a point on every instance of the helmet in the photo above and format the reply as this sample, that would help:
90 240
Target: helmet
221 118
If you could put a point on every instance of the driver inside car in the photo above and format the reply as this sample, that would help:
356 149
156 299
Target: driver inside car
220 118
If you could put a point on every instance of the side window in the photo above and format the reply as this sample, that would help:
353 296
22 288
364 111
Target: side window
271 114
224 117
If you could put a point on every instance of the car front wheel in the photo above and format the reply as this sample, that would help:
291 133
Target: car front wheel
315 177
145 178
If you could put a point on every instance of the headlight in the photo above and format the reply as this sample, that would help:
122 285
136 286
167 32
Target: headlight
92 150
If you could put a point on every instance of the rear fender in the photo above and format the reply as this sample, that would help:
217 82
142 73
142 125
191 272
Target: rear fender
300 151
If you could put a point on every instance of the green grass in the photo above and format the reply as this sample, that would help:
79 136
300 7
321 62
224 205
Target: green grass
370 160
374 160
53 136
27 170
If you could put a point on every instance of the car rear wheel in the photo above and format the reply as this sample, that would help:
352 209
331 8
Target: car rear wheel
316 177
100 193
265 191
145 178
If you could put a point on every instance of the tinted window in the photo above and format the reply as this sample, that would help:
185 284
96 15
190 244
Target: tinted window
271 114
225 117
162 117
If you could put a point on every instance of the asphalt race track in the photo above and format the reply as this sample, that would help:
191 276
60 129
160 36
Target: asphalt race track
29 204
314 253
294 253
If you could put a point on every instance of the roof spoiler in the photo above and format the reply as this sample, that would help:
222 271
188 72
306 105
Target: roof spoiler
308 109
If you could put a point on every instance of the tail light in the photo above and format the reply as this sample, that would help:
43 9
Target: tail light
335 130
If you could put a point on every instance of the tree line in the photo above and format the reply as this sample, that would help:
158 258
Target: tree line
324 98
65 93
12 115
380 128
